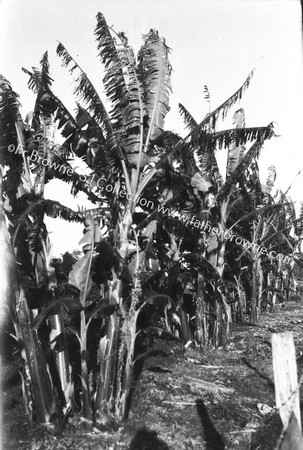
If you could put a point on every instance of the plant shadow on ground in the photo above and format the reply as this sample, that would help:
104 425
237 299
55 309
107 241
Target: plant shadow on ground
213 440
171 407
147 440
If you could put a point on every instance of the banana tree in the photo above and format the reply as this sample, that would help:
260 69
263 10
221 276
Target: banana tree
283 242
23 145
263 229
219 197
123 140
41 399
43 143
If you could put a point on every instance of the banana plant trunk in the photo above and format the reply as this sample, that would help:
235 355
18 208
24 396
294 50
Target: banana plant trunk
274 297
257 280
7 266
116 348
221 258
186 334
45 407
104 404
40 397
201 328
60 357
126 362
177 288
86 399
223 312
260 289
269 292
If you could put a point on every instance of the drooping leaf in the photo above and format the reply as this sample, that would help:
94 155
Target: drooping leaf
86 92
102 310
53 209
223 109
231 181
60 339
236 136
190 122
69 304
155 298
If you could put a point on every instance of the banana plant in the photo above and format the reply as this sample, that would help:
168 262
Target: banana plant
283 243
265 228
123 140
220 197
42 147
80 277
23 144
41 399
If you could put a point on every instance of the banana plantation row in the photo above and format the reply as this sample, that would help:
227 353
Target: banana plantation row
83 323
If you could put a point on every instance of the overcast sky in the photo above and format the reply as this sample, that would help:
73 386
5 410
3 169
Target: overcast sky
214 43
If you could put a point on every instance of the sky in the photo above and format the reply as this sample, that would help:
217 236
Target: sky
215 43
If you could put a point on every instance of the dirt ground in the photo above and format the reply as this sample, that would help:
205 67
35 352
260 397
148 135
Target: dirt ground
184 398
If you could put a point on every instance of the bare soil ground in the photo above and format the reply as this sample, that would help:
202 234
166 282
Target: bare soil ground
184 398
